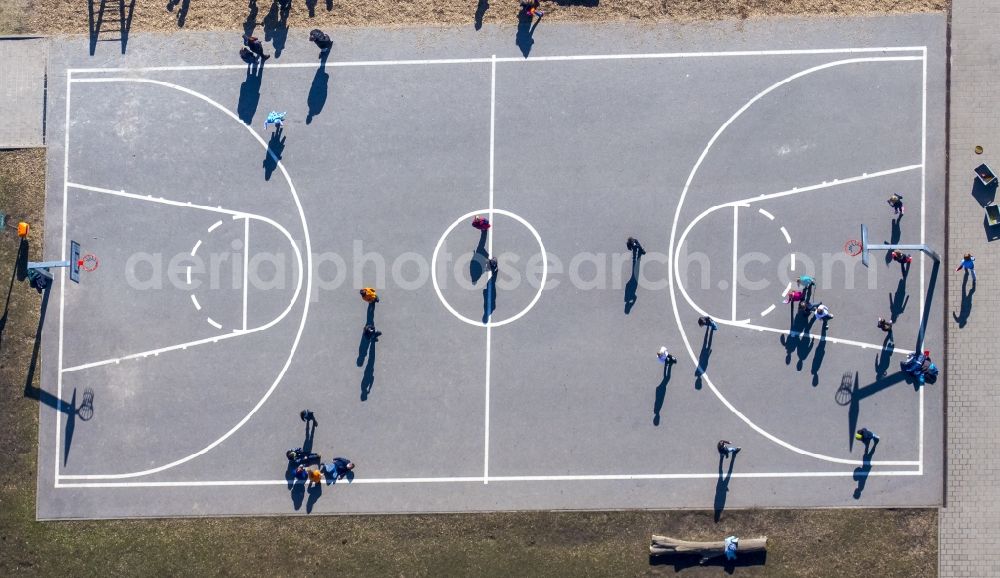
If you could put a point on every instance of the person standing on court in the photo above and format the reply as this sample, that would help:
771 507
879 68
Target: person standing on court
868 438
480 223
321 39
706 321
338 467
884 324
896 203
727 449
371 333
276 118
663 356
255 46
633 244
823 312
315 477
308 416
969 264
531 8
793 297
369 295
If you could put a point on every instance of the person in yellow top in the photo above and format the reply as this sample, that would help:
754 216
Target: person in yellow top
369 295
315 477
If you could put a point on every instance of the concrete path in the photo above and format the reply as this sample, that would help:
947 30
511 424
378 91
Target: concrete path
22 92
970 543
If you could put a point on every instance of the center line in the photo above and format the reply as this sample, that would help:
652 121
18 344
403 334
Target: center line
492 285
736 229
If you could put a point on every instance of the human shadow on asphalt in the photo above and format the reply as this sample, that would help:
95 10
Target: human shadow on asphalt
859 393
366 355
246 107
319 89
963 313
275 25
633 283
861 473
524 38
722 486
704 355
275 146
315 492
481 9
365 343
898 300
661 392
479 257
884 357
490 298
298 493
798 340
818 355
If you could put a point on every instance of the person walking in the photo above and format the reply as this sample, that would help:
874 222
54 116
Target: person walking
255 46
276 118
823 312
301 473
633 244
727 449
901 257
806 282
308 416
663 356
969 264
884 324
338 467
294 454
481 223
896 203
371 333
793 297
321 40
868 438
368 295
706 321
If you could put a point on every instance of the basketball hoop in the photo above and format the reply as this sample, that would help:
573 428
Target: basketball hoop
89 262
853 247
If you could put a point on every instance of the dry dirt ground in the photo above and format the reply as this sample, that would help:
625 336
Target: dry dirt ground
820 543
73 16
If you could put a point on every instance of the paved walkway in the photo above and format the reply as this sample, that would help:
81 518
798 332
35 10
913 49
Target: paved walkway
970 541
22 92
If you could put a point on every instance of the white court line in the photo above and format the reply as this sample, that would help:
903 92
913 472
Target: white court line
489 249
788 238
768 310
195 249
480 479
923 229
62 273
194 299
765 213
792 264
162 200
518 59
673 276
189 274
246 267
214 226
736 236
213 323
305 273
829 339
787 289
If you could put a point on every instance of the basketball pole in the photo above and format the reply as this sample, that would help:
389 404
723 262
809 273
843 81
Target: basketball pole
925 314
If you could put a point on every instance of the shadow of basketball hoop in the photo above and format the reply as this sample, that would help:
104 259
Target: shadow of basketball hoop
845 393
86 409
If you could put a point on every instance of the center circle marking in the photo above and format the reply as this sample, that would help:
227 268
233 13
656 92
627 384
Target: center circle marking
437 249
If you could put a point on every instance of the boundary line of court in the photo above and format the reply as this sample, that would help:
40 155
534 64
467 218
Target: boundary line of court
485 478
494 59
482 479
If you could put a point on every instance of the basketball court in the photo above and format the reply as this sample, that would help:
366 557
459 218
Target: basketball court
221 262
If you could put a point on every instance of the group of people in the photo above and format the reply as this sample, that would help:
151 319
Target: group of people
308 465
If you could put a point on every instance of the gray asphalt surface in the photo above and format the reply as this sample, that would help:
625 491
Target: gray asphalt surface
197 385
